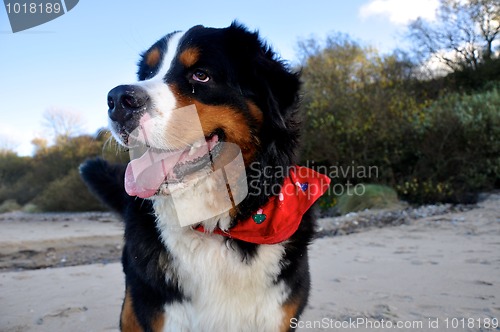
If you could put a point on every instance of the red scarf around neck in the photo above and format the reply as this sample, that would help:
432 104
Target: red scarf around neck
280 217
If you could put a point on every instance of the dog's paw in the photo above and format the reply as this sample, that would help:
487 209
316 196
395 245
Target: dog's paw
92 168
106 181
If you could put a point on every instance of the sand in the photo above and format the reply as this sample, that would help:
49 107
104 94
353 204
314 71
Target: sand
426 275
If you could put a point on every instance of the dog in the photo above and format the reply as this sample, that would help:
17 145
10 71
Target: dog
218 217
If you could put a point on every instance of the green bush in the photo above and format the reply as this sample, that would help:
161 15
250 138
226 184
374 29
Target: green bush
458 151
13 169
67 194
371 197
9 206
30 208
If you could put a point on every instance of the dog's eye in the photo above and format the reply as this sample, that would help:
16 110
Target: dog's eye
201 76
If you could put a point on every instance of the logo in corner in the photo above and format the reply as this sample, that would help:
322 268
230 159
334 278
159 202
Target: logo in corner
25 15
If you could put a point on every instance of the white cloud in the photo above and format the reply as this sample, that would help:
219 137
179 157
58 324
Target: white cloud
400 11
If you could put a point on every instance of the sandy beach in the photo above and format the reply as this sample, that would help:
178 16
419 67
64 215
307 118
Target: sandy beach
442 272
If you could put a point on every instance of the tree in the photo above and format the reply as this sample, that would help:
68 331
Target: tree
62 124
462 35
487 14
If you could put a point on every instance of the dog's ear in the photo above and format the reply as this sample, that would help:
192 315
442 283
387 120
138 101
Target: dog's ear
273 85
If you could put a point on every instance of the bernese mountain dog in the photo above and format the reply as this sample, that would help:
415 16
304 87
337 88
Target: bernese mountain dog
218 216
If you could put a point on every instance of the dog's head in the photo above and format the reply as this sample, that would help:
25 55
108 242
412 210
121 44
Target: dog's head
199 93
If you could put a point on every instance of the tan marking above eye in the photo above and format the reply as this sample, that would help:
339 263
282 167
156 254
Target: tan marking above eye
189 56
153 57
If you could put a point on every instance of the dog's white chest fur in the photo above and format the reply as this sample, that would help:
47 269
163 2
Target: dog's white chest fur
224 291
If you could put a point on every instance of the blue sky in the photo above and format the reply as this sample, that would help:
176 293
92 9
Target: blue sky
73 61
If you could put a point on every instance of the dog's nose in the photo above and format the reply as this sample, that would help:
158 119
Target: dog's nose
126 100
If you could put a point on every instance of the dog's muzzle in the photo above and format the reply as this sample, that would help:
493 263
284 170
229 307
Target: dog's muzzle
126 103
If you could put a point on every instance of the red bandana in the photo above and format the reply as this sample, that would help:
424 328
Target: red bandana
278 220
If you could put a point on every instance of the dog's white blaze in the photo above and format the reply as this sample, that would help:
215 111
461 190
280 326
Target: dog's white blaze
224 291
162 99
168 57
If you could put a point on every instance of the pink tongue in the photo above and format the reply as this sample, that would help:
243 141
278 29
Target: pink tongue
145 175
